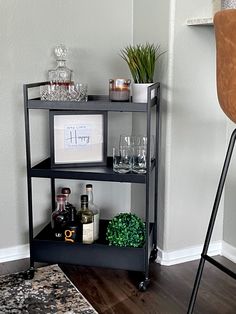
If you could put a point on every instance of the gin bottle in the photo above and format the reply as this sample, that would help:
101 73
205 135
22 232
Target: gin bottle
94 209
87 221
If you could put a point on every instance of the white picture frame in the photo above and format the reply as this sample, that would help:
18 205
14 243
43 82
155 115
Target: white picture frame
78 138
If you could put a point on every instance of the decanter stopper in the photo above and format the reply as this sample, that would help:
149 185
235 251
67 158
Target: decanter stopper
61 52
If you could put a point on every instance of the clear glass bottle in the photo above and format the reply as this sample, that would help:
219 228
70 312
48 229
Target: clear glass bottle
87 221
61 75
59 217
94 209
67 191
71 227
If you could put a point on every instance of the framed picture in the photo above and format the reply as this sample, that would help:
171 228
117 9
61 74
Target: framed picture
78 138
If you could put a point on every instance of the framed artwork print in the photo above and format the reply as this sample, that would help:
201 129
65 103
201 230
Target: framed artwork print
78 138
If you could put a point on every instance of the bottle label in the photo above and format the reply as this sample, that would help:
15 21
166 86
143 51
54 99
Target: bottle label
96 226
88 233
71 234
58 235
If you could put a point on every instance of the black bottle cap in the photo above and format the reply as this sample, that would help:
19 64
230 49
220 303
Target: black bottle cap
84 198
89 186
65 190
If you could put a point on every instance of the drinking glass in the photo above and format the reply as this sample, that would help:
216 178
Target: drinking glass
125 140
45 92
82 92
122 160
142 140
133 140
139 159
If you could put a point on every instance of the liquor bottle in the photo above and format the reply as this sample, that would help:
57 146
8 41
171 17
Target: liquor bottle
94 209
87 221
61 75
71 227
67 192
58 217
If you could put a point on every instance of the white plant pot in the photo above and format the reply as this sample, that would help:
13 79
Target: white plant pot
139 92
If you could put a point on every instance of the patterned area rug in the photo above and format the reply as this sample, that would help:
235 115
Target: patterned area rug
50 291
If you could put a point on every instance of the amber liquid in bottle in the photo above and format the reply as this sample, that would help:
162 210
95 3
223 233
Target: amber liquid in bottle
94 209
59 218
87 221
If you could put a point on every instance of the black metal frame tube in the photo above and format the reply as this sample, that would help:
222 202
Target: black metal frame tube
226 270
29 179
151 88
157 166
212 221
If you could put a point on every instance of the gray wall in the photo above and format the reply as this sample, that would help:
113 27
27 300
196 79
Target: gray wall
196 131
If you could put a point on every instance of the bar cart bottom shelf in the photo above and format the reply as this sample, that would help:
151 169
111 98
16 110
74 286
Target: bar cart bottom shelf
46 249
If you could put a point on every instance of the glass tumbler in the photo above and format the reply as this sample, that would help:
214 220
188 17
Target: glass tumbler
139 159
125 140
133 140
122 160
82 92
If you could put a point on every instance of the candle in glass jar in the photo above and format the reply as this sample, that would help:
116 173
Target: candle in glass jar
119 89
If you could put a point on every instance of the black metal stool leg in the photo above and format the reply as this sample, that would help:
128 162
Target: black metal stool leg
212 222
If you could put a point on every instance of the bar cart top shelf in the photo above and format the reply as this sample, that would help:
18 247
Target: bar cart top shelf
95 102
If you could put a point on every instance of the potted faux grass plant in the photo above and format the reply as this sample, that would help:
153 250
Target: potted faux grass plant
141 59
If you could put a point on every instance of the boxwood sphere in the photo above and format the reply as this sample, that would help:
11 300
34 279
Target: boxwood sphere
126 229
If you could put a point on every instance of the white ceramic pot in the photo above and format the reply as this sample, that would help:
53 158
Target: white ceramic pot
139 92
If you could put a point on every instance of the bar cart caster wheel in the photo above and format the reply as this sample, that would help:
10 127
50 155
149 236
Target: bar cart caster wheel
29 274
153 255
143 285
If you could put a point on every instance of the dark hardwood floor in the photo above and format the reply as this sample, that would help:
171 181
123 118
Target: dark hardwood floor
114 291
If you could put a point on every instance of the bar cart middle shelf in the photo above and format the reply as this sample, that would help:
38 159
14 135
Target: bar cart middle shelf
43 248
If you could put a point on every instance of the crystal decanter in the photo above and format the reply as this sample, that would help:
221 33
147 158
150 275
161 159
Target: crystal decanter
61 75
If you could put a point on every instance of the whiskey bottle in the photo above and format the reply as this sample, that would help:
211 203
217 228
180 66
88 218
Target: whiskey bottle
94 209
58 218
71 227
87 221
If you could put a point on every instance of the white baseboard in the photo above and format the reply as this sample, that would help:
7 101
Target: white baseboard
169 258
14 253
229 251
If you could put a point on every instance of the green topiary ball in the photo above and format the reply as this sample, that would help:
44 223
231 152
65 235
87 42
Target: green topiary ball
126 229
